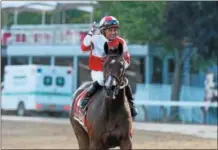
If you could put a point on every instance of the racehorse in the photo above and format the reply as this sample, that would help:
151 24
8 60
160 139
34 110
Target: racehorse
108 121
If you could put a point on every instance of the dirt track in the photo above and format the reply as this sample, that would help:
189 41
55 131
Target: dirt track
61 136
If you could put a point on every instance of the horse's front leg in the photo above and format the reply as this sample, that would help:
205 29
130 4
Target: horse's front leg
94 145
126 143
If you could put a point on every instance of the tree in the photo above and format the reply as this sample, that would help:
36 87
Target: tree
140 25
189 24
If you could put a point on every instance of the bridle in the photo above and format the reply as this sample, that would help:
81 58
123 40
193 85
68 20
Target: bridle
122 81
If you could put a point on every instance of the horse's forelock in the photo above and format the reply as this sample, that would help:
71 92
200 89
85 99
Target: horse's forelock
113 58
110 57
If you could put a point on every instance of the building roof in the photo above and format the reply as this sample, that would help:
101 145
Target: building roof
38 6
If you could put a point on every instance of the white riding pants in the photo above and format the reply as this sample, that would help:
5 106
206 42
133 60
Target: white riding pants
98 76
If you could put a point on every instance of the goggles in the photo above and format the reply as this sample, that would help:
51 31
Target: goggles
111 23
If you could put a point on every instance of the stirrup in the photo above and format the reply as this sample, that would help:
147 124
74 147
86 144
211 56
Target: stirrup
85 107
84 110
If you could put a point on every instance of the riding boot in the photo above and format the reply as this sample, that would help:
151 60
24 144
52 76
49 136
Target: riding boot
90 92
129 95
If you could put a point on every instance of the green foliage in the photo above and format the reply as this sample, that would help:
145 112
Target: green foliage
139 21
192 23
77 16
29 17
198 63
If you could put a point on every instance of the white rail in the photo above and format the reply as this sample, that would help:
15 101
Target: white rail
164 104
179 103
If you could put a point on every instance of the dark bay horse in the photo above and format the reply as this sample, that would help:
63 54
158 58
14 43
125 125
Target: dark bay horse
108 118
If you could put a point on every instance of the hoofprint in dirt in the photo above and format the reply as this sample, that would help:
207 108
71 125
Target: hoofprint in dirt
44 135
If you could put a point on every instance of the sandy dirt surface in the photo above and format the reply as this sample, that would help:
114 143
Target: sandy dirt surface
30 135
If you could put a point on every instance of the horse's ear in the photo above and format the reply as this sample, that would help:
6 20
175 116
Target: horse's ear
105 48
120 49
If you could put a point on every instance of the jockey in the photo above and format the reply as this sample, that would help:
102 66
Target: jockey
108 28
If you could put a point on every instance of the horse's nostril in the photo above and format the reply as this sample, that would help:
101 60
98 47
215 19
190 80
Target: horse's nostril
113 87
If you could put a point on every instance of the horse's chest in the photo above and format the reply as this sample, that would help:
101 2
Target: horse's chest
112 128
113 134
117 125
118 130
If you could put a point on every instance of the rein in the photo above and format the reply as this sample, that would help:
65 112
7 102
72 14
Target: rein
124 85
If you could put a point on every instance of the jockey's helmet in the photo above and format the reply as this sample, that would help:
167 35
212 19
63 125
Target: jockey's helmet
108 22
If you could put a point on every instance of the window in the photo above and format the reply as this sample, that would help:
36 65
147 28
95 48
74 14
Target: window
47 80
60 81
63 61
3 64
157 70
41 60
171 66
19 60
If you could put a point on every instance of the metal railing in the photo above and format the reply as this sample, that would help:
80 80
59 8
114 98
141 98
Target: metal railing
164 108
46 34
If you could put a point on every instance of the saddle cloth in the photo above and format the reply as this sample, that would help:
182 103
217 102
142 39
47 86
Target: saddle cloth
79 115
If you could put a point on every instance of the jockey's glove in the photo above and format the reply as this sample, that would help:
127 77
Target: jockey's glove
93 28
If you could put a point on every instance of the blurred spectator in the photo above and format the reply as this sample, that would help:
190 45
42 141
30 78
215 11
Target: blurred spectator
215 94
210 87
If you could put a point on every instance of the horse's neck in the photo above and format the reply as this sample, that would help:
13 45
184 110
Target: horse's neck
114 105
120 98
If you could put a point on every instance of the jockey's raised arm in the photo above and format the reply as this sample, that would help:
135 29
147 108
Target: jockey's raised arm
86 45
87 42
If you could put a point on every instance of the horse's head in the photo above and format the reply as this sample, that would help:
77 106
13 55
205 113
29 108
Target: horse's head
114 69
